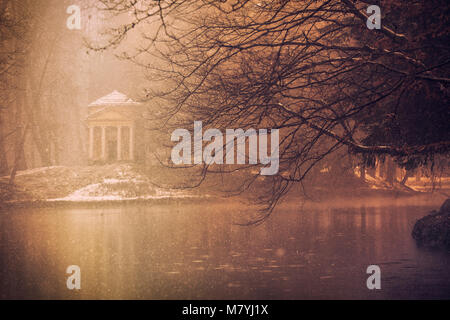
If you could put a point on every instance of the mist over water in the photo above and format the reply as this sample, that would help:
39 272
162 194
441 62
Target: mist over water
190 250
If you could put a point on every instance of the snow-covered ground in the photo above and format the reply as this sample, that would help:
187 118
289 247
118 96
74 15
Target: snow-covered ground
124 181
119 190
112 182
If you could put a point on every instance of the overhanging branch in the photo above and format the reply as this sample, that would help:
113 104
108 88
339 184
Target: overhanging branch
432 148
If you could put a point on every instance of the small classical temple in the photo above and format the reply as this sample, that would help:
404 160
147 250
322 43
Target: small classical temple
114 123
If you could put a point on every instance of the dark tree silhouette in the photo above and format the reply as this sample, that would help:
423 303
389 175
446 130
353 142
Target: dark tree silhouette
310 68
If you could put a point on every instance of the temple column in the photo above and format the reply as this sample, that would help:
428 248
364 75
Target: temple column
103 143
91 143
119 143
131 142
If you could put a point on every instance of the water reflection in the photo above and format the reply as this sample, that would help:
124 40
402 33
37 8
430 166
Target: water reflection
193 250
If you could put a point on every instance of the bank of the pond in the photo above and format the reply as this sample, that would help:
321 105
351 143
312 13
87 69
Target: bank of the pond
126 182
103 183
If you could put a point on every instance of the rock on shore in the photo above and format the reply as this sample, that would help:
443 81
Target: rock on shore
433 230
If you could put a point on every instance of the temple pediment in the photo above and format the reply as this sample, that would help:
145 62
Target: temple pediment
114 98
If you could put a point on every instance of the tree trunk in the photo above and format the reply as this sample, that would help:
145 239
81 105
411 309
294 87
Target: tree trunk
3 158
362 172
19 159
418 174
408 174
21 135
390 170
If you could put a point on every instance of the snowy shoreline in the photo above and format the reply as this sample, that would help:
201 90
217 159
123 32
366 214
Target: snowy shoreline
94 184
128 183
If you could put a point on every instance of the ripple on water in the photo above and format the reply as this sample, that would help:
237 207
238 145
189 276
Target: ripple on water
265 271
296 265
234 285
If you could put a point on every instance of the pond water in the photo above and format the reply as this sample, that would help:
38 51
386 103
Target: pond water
195 250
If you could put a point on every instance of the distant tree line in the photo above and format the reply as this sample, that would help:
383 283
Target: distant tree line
40 86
